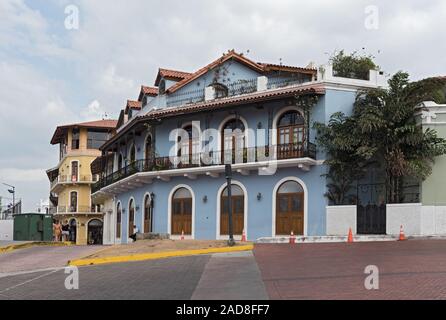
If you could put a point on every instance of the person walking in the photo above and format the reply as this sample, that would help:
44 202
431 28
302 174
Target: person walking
65 231
135 231
57 231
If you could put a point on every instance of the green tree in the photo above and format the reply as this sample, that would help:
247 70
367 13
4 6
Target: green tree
352 65
383 130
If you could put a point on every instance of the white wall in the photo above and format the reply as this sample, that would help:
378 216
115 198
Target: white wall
416 219
6 230
407 215
340 219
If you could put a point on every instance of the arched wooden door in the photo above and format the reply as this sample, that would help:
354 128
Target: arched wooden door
290 209
290 135
118 220
131 217
233 141
181 212
148 153
238 210
147 214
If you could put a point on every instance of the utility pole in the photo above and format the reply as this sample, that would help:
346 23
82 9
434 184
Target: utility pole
12 191
228 173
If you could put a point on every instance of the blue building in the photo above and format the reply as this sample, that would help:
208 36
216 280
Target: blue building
164 169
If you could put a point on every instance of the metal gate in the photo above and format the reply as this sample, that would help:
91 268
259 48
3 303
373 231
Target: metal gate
371 208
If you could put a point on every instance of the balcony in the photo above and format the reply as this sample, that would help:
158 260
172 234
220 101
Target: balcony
243 160
74 210
68 179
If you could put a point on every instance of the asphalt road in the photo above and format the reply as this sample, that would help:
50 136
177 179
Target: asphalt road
195 277
406 270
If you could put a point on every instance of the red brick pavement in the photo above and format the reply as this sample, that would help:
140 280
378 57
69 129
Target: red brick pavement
414 269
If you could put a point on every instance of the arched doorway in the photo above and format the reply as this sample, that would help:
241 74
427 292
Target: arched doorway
233 141
120 161
148 214
94 232
132 154
131 217
73 230
118 220
148 153
290 199
290 135
238 210
181 212
189 148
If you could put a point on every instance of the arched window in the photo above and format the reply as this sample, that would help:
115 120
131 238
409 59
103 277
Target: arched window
189 149
73 201
290 135
118 220
290 208
148 152
131 217
148 214
233 141
132 154
238 210
74 171
181 212
120 161
162 87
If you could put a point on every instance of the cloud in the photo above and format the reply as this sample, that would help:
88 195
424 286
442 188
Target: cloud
51 76
13 175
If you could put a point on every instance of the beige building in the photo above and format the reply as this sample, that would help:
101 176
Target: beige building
71 179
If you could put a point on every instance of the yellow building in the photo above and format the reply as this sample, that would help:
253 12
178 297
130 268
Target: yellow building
71 179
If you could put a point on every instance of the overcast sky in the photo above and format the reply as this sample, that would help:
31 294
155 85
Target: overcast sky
51 75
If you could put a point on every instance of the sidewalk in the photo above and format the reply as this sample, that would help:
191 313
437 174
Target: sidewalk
158 249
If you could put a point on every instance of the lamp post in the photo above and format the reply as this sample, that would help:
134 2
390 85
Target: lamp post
228 173
12 191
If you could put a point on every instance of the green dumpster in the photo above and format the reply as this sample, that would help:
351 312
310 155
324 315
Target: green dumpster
33 227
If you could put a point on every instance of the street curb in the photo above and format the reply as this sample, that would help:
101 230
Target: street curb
156 255
32 244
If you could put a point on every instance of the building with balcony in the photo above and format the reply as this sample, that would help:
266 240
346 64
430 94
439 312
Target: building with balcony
71 179
164 170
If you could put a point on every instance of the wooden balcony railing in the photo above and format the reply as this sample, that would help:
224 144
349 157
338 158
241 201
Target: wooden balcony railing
246 155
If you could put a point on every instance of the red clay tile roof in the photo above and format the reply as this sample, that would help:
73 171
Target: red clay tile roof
171 75
99 124
151 91
230 55
134 104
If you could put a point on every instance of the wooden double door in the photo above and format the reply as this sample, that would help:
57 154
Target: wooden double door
238 214
182 216
290 213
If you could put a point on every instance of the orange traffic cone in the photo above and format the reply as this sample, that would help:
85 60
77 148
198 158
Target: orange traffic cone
350 236
292 238
243 236
182 235
402 236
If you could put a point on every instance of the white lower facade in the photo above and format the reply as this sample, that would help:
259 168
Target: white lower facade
416 219
6 230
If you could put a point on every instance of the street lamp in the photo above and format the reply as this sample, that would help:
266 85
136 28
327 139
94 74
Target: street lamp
12 191
228 173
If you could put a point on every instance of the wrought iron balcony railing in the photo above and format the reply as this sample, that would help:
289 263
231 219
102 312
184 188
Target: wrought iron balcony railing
74 179
212 158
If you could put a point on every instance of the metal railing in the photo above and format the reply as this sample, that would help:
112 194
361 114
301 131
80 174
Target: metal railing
280 82
242 87
73 209
188 97
212 158
74 179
